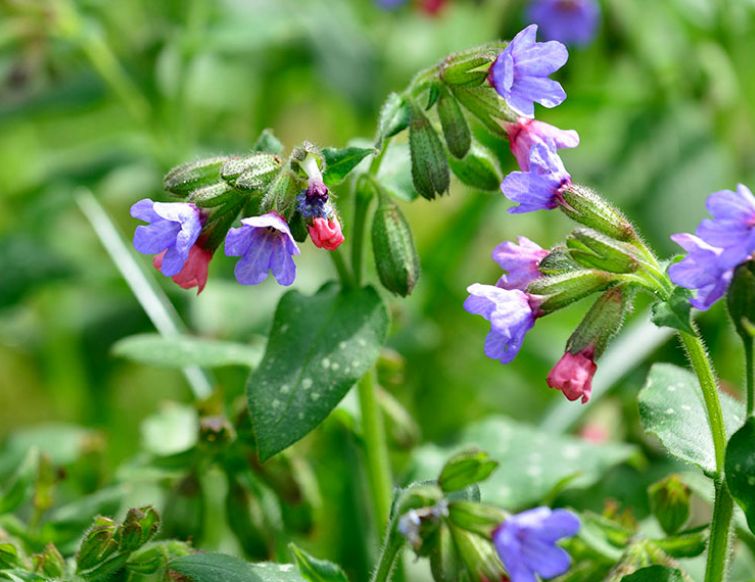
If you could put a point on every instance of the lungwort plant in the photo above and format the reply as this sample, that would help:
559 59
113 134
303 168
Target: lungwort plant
477 511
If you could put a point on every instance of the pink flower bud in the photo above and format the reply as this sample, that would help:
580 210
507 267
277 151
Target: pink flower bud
594 433
326 233
573 375
194 272
525 133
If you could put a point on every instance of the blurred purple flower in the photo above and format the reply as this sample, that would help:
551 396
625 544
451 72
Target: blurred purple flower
390 4
541 187
511 314
526 133
732 228
568 21
520 73
265 244
700 271
520 261
526 543
173 229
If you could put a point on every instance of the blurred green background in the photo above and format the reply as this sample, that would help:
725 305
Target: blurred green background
108 95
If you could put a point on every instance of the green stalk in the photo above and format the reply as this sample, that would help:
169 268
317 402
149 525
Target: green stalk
389 554
718 546
341 268
748 373
376 450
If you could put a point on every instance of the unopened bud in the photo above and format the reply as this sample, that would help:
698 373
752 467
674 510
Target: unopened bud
393 245
156 556
454 124
215 431
469 69
594 250
557 262
586 207
49 562
478 169
669 502
184 179
429 165
603 321
98 544
137 529
475 517
445 563
213 195
478 555
562 290
741 300
487 106
252 173
464 469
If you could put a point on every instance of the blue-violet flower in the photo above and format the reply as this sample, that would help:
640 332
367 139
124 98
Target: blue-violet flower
732 228
173 228
541 186
520 261
700 271
265 244
520 73
511 314
568 21
526 543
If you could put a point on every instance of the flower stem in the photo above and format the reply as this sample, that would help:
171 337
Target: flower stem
341 268
376 450
749 381
389 553
718 546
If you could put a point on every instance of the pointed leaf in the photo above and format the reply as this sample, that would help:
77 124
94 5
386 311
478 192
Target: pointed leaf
319 346
339 162
213 567
315 570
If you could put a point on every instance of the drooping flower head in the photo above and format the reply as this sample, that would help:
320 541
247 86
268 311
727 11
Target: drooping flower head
520 73
541 186
520 261
525 133
526 543
195 270
573 374
172 230
264 244
700 271
732 228
568 21
326 233
314 205
511 314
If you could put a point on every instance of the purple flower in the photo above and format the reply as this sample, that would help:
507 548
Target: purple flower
265 244
520 261
541 187
568 21
525 133
173 228
520 73
511 314
390 4
700 270
526 543
732 228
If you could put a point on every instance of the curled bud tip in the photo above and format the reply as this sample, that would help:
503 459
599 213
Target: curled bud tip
326 233
573 375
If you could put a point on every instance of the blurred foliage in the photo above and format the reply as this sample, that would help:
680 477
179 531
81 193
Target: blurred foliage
109 95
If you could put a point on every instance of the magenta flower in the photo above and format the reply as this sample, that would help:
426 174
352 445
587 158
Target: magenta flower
573 375
520 261
526 543
526 133
173 229
700 271
195 270
511 314
264 244
732 228
520 73
568 21
541 187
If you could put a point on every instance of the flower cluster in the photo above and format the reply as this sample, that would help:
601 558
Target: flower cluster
718 247
183 236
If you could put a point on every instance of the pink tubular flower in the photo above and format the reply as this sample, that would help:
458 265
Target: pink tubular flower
573 375
194 272
326 233
525 133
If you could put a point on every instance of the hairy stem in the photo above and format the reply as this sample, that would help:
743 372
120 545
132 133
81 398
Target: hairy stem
388 555
718 546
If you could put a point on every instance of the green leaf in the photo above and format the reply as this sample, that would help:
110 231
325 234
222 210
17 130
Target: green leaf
394 118
675 312
655 574
319 347
314 570
686 544
465 469
19 488
339 162
672 408
213 567
267 142
543 462
181 351
740 469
